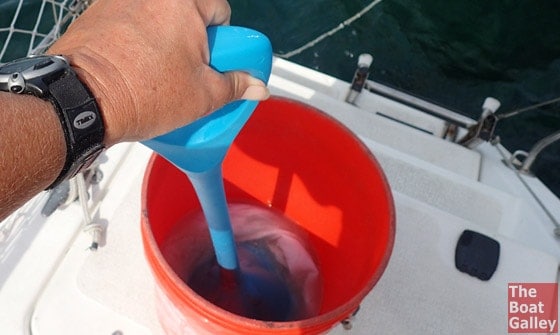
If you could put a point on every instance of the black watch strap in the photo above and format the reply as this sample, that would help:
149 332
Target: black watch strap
81 122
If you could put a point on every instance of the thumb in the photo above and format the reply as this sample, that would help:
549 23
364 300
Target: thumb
255 90
236 85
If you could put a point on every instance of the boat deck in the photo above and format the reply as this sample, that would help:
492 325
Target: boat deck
51 283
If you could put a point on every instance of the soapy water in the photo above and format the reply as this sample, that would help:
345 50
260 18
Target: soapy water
278 277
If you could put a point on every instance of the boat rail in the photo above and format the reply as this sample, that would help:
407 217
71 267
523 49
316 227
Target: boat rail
423 105
478 131
529 158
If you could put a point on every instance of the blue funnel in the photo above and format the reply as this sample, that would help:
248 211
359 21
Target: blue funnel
203 143
199 148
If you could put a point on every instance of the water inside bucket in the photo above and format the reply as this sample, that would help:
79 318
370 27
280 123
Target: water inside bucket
279 279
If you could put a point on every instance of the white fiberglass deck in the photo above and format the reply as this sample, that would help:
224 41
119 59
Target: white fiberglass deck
58 286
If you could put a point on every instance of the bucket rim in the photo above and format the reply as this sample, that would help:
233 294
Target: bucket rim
321 322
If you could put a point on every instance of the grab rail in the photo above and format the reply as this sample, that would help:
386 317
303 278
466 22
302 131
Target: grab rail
530 157
423 105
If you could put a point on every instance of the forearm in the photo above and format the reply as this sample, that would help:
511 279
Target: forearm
146 64
32 149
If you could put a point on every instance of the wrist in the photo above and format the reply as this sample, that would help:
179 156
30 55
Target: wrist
52 79
105 83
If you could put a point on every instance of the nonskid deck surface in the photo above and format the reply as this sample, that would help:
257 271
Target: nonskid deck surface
421 289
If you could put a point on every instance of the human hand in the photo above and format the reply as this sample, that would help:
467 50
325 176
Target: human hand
147 64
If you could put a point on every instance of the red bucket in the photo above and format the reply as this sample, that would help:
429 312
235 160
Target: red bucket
306 165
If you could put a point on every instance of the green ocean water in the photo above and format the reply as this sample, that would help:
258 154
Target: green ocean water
453 53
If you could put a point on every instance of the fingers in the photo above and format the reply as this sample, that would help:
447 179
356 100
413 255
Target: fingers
234 85
214 12
256 91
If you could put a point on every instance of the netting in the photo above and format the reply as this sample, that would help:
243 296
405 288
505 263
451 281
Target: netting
31 26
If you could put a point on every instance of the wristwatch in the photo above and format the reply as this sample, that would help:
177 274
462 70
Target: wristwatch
52 78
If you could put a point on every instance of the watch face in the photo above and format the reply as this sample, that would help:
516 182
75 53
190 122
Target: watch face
25 63
32 75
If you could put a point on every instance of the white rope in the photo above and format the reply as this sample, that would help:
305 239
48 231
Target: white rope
331 32
83 197
94 227
526 109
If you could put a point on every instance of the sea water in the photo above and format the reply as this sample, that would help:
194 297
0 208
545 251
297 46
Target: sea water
452 53
278 279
